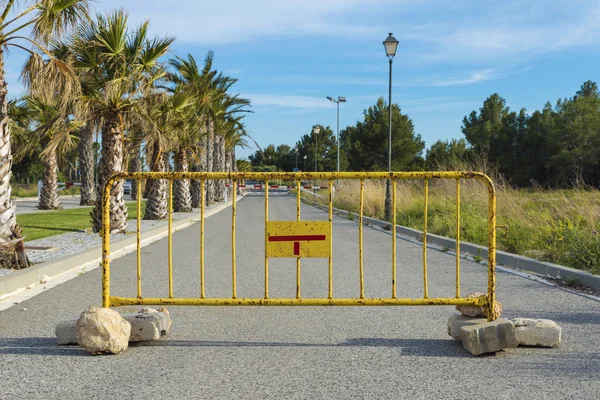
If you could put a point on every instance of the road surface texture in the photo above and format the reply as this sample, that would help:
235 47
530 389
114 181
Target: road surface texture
298 352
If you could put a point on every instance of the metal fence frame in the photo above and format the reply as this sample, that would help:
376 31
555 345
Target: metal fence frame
486 301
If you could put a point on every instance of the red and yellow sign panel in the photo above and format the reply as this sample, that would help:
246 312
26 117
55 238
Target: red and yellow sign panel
304 239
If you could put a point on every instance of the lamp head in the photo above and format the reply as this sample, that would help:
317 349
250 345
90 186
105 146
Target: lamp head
390 44
342 99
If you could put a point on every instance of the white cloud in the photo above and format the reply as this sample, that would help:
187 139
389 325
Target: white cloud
242 20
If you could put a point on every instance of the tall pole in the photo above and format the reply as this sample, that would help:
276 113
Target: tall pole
388 191
316 145
337 138
296 160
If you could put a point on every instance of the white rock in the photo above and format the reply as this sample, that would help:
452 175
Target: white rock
102 330
489 337
457 321
537 332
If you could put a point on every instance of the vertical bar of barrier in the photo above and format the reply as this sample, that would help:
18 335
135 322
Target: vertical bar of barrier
106 245
458 238
170 240
330 293
202 184
139 244
393 238
298 187
233 214
492 252
266 238
425 286
360 238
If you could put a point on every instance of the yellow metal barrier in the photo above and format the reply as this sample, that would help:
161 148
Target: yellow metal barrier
295 239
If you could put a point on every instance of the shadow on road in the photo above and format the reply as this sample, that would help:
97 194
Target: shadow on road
41 346
46 346
408 347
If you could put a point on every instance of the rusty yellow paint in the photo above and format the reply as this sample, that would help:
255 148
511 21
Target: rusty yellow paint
138 241
266 239
170 238
457 238
112 185
106 243
394 206
233 212
202 197
124 301
425 283
330 286
360 238
298 186
304 239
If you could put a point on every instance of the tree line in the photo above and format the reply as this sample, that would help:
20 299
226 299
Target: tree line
553 147
97 75
557 146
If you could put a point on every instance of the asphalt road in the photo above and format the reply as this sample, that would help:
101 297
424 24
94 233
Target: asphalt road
298 352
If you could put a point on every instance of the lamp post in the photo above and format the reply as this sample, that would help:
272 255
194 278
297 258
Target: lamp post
305 157
296 150
316 131
390 44
340 99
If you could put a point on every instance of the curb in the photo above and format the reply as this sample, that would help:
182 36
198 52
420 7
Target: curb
90 259
502 258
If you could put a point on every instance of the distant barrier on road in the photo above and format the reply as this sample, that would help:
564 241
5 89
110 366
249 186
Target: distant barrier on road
301 239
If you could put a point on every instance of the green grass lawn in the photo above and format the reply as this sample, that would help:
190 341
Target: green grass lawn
44 224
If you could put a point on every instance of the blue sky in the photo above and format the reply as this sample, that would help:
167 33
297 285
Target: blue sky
289 55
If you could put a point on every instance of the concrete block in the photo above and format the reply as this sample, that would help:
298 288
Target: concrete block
145 326
489 337
66 332
457 321
537 332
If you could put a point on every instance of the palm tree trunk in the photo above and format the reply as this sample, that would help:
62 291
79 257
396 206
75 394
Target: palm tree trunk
219 166
210 148
49 197
228 168
135 165
111 163
156 206
86 166
12 250
181 187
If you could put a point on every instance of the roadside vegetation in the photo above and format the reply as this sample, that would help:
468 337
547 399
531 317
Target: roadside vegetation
50 223
559 226
23 190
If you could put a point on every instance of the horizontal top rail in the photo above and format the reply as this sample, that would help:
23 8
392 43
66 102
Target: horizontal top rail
304 175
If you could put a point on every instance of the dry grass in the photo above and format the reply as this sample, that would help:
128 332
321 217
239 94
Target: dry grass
553 225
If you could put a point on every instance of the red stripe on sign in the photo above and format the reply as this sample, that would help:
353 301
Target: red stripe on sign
299 238
296 248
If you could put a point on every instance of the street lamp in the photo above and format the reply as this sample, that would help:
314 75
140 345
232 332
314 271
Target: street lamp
296 150
340 99
316 131
305 156
390 44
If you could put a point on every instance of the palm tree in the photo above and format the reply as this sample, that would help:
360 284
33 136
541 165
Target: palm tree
119 67
48 134
45 19
163 118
